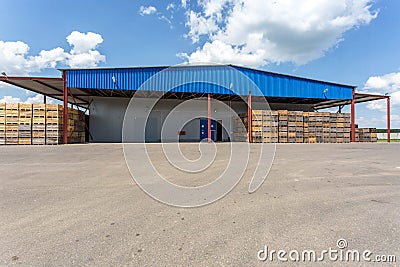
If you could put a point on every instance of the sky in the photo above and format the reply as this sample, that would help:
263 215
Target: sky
354 42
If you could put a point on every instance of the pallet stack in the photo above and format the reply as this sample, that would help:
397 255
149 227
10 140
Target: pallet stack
257 126
2 123
76 126
319 129
12 124
299 127
312 130
54 124
39 124
291 127
270 126
283 126
302 127
333 129
347 128
366 135
25 124
240 128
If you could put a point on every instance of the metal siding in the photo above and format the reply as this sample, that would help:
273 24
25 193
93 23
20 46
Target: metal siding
270 84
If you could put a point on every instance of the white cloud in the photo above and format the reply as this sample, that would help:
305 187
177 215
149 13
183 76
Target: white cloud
83 42
184 3
35 99
272 31
10 99
388 83
147 10
15 59
171 6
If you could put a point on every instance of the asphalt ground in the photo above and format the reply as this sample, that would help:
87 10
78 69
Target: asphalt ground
79 205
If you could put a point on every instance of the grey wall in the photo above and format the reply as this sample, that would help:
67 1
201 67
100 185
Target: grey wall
107 116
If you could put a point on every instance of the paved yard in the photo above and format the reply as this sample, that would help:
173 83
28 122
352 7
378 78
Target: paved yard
78 204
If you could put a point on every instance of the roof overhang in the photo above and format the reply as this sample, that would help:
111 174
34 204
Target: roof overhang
49 86
358 98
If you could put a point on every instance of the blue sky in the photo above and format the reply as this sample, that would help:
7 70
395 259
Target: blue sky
353 42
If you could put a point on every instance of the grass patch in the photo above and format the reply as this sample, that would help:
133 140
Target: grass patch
391 140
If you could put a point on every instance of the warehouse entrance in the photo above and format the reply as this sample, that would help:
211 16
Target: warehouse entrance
216 130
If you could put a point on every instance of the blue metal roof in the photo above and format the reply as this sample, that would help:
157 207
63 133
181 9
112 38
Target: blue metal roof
215 79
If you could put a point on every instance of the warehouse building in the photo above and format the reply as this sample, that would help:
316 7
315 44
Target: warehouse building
212 93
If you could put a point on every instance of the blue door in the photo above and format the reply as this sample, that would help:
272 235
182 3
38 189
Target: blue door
204 129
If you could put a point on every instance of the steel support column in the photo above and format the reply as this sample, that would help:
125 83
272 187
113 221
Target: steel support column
44 99
388 119
209 118
249 118
353 117
65 106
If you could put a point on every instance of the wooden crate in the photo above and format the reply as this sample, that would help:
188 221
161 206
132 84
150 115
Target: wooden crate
24 141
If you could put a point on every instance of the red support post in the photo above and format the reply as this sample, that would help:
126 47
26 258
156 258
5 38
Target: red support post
388 119
209 118
65 113
353 117
249 118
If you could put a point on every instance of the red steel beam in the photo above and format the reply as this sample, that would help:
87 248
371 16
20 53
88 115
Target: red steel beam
388 119
353 117
209 118
65 115
249 118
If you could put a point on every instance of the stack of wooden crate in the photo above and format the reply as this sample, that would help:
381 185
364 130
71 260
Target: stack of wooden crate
319 129
283 126
347 127
54 124
306 120
25 124
76 126
299 127
240 128
39 124
326 128
2 123
366 135
291 127
312 130
12 123
270 126
333 129
257 126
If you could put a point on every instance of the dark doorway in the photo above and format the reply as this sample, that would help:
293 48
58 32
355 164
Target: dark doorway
219 131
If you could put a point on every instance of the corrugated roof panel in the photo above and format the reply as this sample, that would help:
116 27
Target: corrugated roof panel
206 79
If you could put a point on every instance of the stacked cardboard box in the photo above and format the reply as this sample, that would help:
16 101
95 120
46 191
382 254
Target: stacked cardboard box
283 126
25 124
12 124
